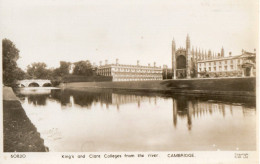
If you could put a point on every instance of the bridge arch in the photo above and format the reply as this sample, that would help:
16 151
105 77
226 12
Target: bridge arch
46 85
33 84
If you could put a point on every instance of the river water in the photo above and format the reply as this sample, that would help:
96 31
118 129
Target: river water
106 120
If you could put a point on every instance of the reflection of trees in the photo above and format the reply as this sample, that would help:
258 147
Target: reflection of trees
37 99
62 96
82 98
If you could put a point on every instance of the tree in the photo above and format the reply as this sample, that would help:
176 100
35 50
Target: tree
38 71
64 68
83 68
10 54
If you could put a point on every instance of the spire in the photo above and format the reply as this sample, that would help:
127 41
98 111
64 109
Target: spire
192 52
187 42
201 55
209 54
196 55
222 52
173 44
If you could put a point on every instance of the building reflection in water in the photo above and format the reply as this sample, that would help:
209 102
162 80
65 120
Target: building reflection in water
183 107
190 109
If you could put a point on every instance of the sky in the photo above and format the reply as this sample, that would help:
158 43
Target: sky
72 30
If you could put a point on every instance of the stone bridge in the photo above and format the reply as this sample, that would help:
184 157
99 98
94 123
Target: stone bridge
34 83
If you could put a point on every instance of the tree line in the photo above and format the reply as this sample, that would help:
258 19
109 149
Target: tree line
37 70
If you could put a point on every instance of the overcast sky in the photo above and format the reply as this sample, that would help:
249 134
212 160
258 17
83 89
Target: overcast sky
71 30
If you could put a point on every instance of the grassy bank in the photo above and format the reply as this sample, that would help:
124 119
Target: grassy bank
232 86
20 135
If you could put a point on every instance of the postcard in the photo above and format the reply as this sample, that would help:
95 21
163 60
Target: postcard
141 81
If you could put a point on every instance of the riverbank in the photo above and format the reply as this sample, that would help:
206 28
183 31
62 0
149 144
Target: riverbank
218 86
19 134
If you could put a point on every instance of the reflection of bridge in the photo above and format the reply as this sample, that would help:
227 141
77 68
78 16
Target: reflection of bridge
34 83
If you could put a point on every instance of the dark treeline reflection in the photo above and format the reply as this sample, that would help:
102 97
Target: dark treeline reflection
185 107
37 99
109 97
81 98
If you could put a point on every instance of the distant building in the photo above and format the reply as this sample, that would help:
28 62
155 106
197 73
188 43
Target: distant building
187 63
232 66
122 72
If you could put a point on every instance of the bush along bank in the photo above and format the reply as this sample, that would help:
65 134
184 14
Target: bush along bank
20 135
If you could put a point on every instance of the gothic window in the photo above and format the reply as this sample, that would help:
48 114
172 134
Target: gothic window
181 62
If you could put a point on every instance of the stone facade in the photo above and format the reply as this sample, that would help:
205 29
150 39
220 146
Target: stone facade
187 63
121 72
233 66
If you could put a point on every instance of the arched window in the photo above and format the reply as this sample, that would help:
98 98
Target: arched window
181 62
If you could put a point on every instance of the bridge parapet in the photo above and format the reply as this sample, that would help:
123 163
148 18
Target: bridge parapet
39 82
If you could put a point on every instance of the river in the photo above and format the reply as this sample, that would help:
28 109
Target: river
106 120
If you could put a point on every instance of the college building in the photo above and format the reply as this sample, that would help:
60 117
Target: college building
190 63
123 72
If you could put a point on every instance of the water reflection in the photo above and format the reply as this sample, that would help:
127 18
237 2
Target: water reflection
183 107
135 114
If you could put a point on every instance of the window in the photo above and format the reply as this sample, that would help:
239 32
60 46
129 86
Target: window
214 63
231 61
231 67
225 61
214 68
225 68
209 69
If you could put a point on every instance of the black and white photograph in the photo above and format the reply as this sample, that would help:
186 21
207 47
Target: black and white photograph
142 81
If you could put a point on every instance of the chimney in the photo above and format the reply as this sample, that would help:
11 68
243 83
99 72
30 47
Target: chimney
116 61
149 65
100 63
138 62
154 64
230 53
105 62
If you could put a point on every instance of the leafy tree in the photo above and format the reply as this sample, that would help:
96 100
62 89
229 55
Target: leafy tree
83 68
38 71
64 68
10 54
